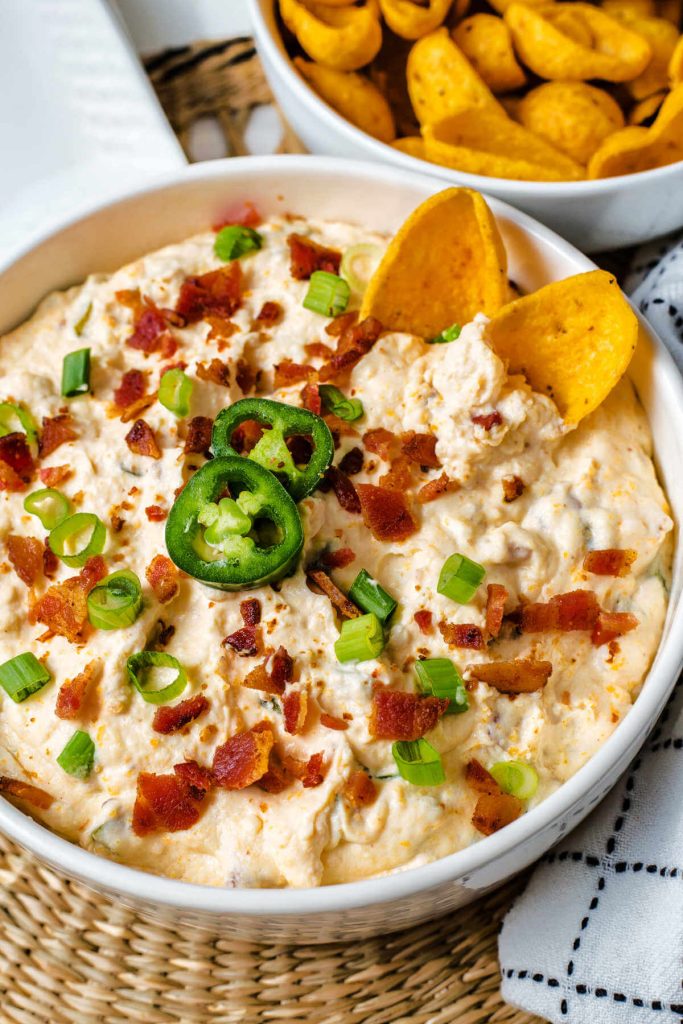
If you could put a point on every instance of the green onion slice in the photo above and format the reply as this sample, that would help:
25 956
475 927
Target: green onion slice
78 755
14 419
76 373
115 602
370 597
336 401
77 538
459 578
79 326
50 506
359 263
175 391
418 762
139 666
234 241
23 675
327 294
440 678
516 777
360 639
449 334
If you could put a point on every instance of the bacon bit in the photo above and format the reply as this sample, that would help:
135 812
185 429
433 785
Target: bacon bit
271 678
94 570
281 668
195 775
245 376
338 559
331 722
198 438
162 577
288 373
344 490
496 596
318 350
578 609
149 328
307 256
16 454
218 293
359 790
64 608
142 441
339 600
57 430
217 372
50 560
610 561
72 692
352 462
386 513
423 618
220 330
277 778
269 314
382 442
25 791
250 610
26 557
245 642
310 397
295 709
131 389
487 420
338 427
9 480
341 323
494 811
462 635
478 779
355 342
246 436
610 625
165 803
403 716
513 488
525 675
246 214
169 719
243 759
156 514
51 476
420 448
399 477
435 488
314 772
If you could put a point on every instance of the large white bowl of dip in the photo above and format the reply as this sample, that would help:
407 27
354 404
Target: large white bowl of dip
378 198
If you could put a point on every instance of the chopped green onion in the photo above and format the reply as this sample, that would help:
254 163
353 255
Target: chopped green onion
516 777
78 755
449 334
440 678
115 602
359 263
336 401
76 373
51 506
370 597
14 419
175 391
235 240
418 762
23 675
360 639
327 294
71 532
79 326
139 666
459 578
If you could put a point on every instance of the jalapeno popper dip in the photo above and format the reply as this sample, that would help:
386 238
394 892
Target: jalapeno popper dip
295 593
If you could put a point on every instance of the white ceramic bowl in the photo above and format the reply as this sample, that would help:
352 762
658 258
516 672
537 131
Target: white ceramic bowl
378 197
594 215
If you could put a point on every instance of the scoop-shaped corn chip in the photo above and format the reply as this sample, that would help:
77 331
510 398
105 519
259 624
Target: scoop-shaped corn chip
573 116
641 149
662 37
486 42
353 96
441 80
445 264
485 142
413 20
617 54
676 65
344 38
413 145
572 339
570 23
644 113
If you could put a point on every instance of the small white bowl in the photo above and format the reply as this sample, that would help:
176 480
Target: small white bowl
380 198
609 213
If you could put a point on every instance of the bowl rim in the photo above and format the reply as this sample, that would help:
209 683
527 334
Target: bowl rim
107 875
273 48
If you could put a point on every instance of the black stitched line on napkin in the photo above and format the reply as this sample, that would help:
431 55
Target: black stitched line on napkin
599 993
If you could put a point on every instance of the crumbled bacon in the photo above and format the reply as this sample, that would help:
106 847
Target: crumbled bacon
281 667
25 791
524 675
513 488
359 790
400 475
355 342
9 480
245 213
420 448
196 776
155 513
318 350
72 692
352 462
295 709
310 397
56 431
245 376
403 716
245 641
63 608
50 560
307 256
382 442
433 489
26 557
487 420
94 570
131 389
142 441
610 561
314 772
272 675
16 454
339 600
565 612
341 323
479 779
198 438
243 759
217 372
246 436
165 803
344 490
149 328
496 596
494 808
338 559
611 625
217 293
170 718
462 634
386 513
288 373
52 476
269 314
423 618
220 330
250 610
332 722
162 577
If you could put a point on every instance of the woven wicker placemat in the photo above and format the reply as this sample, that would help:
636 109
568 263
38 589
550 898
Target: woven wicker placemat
69 956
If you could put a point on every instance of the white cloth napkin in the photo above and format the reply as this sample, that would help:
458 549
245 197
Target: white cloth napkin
597 937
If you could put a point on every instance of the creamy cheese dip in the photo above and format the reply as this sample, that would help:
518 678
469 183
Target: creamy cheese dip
593 487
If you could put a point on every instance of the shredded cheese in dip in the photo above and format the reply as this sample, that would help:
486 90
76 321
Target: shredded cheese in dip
590 488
